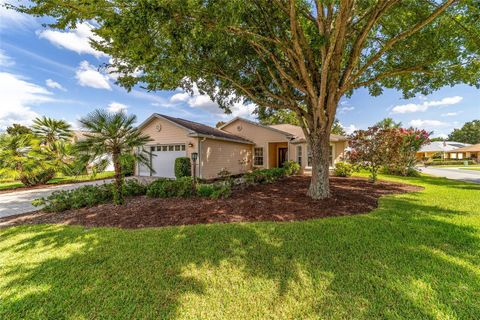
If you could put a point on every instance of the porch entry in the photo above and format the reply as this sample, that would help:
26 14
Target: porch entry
277 154
282 156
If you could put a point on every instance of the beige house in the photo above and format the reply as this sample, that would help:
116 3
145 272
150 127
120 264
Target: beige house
468 152
439 149
238 146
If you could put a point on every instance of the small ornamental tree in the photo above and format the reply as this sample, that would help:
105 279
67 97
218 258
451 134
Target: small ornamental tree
373 148
404 158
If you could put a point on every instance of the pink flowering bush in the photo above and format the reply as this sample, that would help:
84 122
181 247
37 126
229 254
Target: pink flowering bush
391 148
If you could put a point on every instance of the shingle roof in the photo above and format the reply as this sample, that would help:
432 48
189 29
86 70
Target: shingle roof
297 132
442 146
203 129
471 148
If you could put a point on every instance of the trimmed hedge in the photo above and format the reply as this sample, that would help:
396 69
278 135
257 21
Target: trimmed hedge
449 162
166 188
183 167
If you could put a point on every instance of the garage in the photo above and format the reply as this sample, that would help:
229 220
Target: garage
162 160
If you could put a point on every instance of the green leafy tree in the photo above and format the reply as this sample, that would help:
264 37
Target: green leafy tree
388 123
337 128
24 158
272 116
299 55
469 133
16 129
113 135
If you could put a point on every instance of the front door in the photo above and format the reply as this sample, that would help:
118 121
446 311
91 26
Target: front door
282 156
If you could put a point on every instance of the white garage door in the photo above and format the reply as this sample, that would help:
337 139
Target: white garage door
163 160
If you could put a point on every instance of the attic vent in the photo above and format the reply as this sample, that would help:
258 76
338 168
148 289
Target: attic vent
239 128
158 127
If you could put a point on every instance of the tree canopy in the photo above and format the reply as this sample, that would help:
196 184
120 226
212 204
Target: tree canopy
468 133
300 55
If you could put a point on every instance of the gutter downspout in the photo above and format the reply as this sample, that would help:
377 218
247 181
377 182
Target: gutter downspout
199 156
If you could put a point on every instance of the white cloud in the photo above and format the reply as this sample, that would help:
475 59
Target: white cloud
54 85
117 107
77 40
349 129
5 60
18 95
450 114
422 107
11 19
427 123
88 76
345 109
203 102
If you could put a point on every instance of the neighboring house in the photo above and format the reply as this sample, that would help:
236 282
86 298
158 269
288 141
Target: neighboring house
80 135
438 149
238 146
468 152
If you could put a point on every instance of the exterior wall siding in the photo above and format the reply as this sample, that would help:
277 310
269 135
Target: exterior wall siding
169 134
258 135
216 155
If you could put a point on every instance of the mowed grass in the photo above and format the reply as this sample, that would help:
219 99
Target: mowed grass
472 168
416 257
9 184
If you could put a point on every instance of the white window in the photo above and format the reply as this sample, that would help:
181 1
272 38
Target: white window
258 156
299 155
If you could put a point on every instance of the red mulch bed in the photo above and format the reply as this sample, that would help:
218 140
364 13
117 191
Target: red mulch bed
284 200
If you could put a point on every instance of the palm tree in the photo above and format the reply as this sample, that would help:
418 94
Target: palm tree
22 157
112 134
51 130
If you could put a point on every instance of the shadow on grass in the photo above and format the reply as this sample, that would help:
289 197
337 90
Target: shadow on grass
404 261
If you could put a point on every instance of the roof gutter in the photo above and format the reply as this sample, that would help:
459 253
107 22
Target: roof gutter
198 135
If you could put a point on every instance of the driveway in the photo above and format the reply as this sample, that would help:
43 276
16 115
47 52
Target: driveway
17 202
453 173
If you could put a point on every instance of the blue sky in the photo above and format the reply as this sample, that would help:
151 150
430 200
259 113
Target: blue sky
55 73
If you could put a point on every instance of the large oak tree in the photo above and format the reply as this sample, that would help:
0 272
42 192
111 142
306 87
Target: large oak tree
298 55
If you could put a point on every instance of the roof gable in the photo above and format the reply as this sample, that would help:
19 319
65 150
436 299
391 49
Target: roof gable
256 124
195 128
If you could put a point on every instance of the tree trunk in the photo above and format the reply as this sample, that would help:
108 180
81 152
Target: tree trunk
118 192
320 149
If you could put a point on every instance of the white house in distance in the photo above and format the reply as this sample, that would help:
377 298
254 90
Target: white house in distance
238 146
440 149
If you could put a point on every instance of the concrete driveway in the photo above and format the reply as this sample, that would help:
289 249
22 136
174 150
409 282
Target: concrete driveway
17 202
453 173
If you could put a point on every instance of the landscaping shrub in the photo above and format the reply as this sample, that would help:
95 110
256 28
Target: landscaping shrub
291 168
183 167
86 196
214 190
222 191
450 162
165 188
133 187
343 169
264 175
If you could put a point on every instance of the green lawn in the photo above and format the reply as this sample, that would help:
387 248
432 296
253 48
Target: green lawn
471 168
8 185
416 257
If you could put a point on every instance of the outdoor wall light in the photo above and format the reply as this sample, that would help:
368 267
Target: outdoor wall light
190 145
194 156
